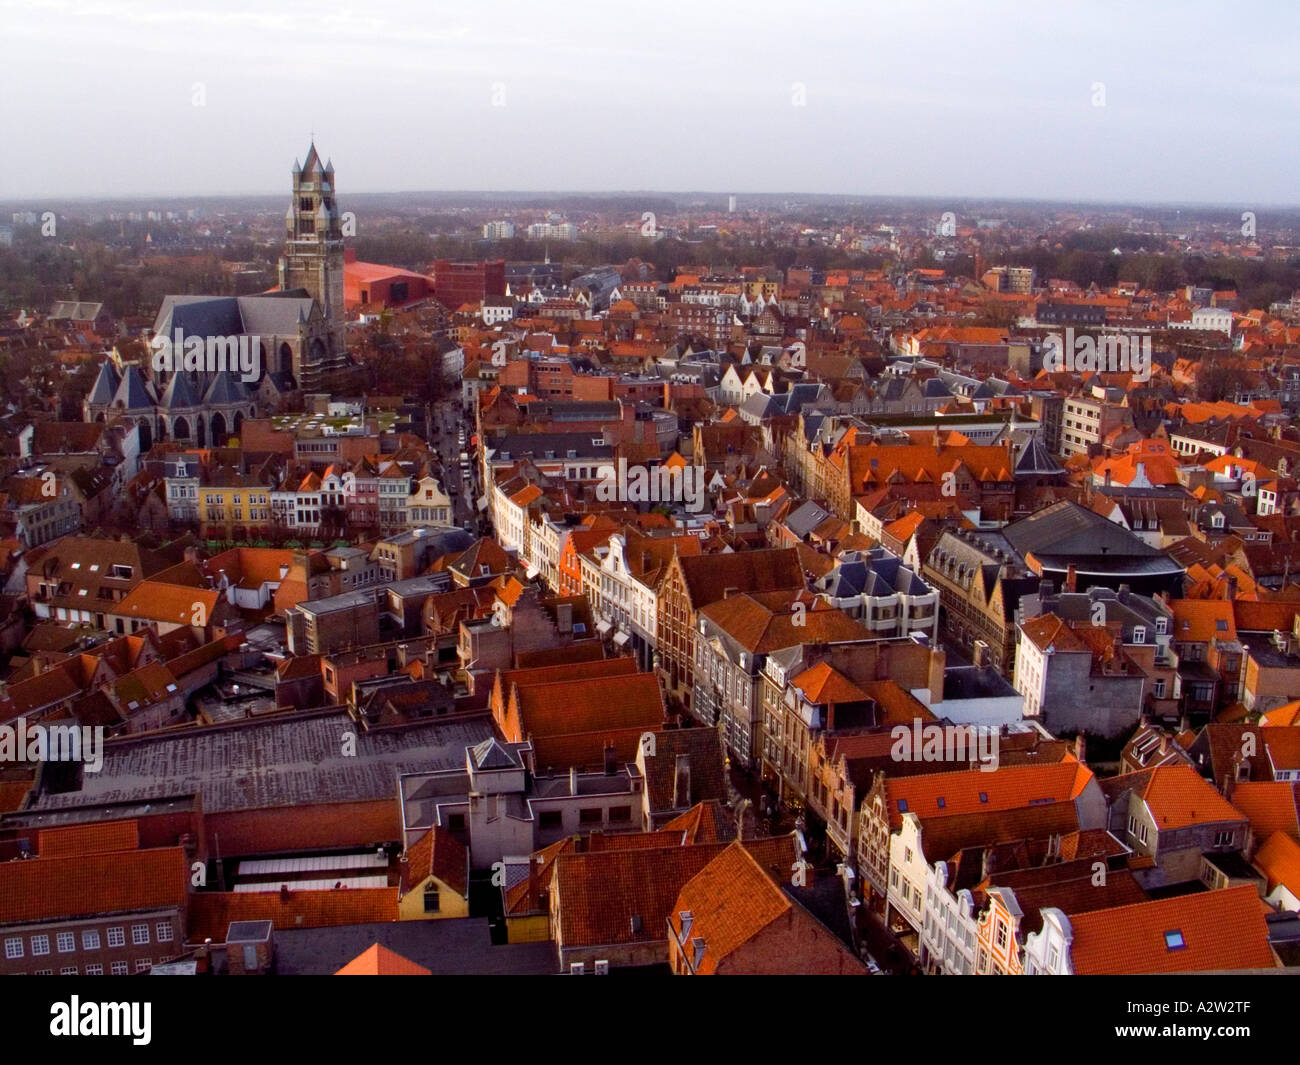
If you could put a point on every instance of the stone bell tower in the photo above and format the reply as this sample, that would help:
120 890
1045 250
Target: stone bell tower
313 245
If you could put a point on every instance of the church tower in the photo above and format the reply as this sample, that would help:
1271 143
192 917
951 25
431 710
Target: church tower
313 246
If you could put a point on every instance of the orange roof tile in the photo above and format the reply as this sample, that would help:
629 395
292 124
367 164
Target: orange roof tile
1279 860
48 888
1178 796
212 912
99 837
1218 930
378 960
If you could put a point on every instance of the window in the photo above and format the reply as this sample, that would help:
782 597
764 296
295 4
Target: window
40 945
139 934
14 947
1001 937
163 930
119 968
432 901
68 970
907 855
1174 940
67 942
1140 634
591 816
1223 839
94 970
620 814
1160 688
552 819
143 964
90 939
116 937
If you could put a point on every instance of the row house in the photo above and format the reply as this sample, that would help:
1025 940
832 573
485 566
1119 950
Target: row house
735 635
690 584
37 509
1209 931
961 809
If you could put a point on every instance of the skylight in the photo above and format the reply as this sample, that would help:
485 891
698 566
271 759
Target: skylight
1174 940
902 806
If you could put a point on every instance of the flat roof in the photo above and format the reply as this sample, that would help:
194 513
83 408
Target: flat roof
287 760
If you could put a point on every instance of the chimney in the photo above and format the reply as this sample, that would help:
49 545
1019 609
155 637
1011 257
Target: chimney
1232 587
611 760
1071 579
682 782
284 892
573 780
1081 748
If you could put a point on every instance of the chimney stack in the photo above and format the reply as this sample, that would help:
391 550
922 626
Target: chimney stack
611 760
573 780
1071 579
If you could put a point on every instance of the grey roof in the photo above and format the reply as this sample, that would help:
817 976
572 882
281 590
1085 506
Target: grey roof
199 316
875 573
935 388
1036 459
134 392
268 313
806 518
1066 528
288 760
490 754
517 445
179 393
226 389
447 948
105 384
274 313
76 311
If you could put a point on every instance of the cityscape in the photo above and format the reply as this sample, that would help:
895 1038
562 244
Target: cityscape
473 582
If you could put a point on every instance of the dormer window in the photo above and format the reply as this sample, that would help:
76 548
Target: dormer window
1139 634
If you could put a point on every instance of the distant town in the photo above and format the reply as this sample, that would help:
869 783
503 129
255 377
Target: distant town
684 584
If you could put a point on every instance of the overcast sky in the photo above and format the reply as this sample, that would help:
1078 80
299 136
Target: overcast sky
1201 100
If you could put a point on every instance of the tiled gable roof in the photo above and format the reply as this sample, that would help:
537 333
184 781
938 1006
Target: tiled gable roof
730 901
1218 930
44 889
1178 796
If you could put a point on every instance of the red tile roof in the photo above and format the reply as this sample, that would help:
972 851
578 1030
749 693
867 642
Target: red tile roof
378 960
1178 796
43 889
212 912
102 837
1220 930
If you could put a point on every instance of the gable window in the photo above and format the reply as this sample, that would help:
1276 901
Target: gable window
431 899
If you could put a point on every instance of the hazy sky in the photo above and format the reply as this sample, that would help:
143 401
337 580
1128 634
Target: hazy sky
1201 101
